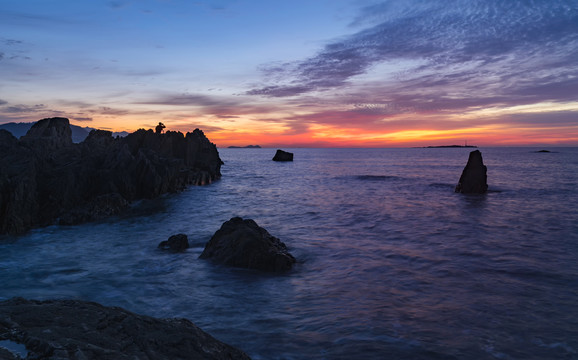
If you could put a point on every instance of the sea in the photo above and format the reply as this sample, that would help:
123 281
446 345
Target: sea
391 262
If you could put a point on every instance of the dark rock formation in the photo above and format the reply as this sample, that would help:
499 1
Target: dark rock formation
474 178
45 177
49 134
243 243
72 329
281 155
175 243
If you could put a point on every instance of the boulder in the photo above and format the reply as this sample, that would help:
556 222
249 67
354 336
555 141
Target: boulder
281 155
474 177
175 243
243 243
49 134
45 177
74 329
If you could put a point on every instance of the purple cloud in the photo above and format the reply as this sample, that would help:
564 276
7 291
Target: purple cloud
530 47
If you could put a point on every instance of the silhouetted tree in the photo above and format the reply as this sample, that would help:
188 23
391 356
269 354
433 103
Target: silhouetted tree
159 128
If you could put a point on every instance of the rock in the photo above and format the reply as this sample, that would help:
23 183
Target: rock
45 177
243 243
281 155
100 207
474 177
175 243
73 329
49 134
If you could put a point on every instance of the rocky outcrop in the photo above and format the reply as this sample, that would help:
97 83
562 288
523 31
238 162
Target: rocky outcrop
49 134
281 155
474 176
175 243
44 177
72 329
243 243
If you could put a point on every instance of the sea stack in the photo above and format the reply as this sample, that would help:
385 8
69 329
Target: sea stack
474 177
242 243
281 155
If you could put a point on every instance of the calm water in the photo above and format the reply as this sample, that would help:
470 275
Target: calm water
392 263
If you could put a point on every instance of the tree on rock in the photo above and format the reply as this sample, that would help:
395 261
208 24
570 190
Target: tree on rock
159 128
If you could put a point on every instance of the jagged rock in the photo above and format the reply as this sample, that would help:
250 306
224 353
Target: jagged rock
474 177
7 140
175 243
45 177
100 207
281 155
73 329
243 243
49 134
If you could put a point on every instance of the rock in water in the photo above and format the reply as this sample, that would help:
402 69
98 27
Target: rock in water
175 243
474 177
73 329
281 155
243 243
46 178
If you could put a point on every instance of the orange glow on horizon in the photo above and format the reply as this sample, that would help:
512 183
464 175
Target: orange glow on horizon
274 132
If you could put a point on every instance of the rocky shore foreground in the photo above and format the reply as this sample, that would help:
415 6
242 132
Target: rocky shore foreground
73 329
46 178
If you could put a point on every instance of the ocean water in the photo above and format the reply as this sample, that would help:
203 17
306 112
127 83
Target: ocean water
392 264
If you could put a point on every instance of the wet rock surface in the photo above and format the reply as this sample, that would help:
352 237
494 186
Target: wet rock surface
175 243
242 243
474 176
72 329
281 155
46 178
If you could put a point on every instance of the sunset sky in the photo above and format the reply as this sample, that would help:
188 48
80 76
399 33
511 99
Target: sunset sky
299 73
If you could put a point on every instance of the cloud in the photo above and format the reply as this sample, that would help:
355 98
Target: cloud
81 119
553 119
3 102
24 108
185 100
493 35
184 128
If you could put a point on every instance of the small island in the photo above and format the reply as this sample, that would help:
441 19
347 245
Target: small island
448 146
245 147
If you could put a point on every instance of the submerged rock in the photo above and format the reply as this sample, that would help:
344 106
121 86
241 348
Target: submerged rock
243 243
474 176
175 243
45 176
281 155
73 329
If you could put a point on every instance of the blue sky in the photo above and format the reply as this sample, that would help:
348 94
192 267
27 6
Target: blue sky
300 73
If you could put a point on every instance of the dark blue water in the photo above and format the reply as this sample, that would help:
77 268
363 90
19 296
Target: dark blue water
392 263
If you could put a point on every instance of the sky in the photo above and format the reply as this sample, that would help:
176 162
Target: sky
300 73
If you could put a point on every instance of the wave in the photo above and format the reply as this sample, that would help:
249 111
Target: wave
376 177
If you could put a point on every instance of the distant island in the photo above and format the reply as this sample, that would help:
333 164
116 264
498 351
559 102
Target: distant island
448 146
245 147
